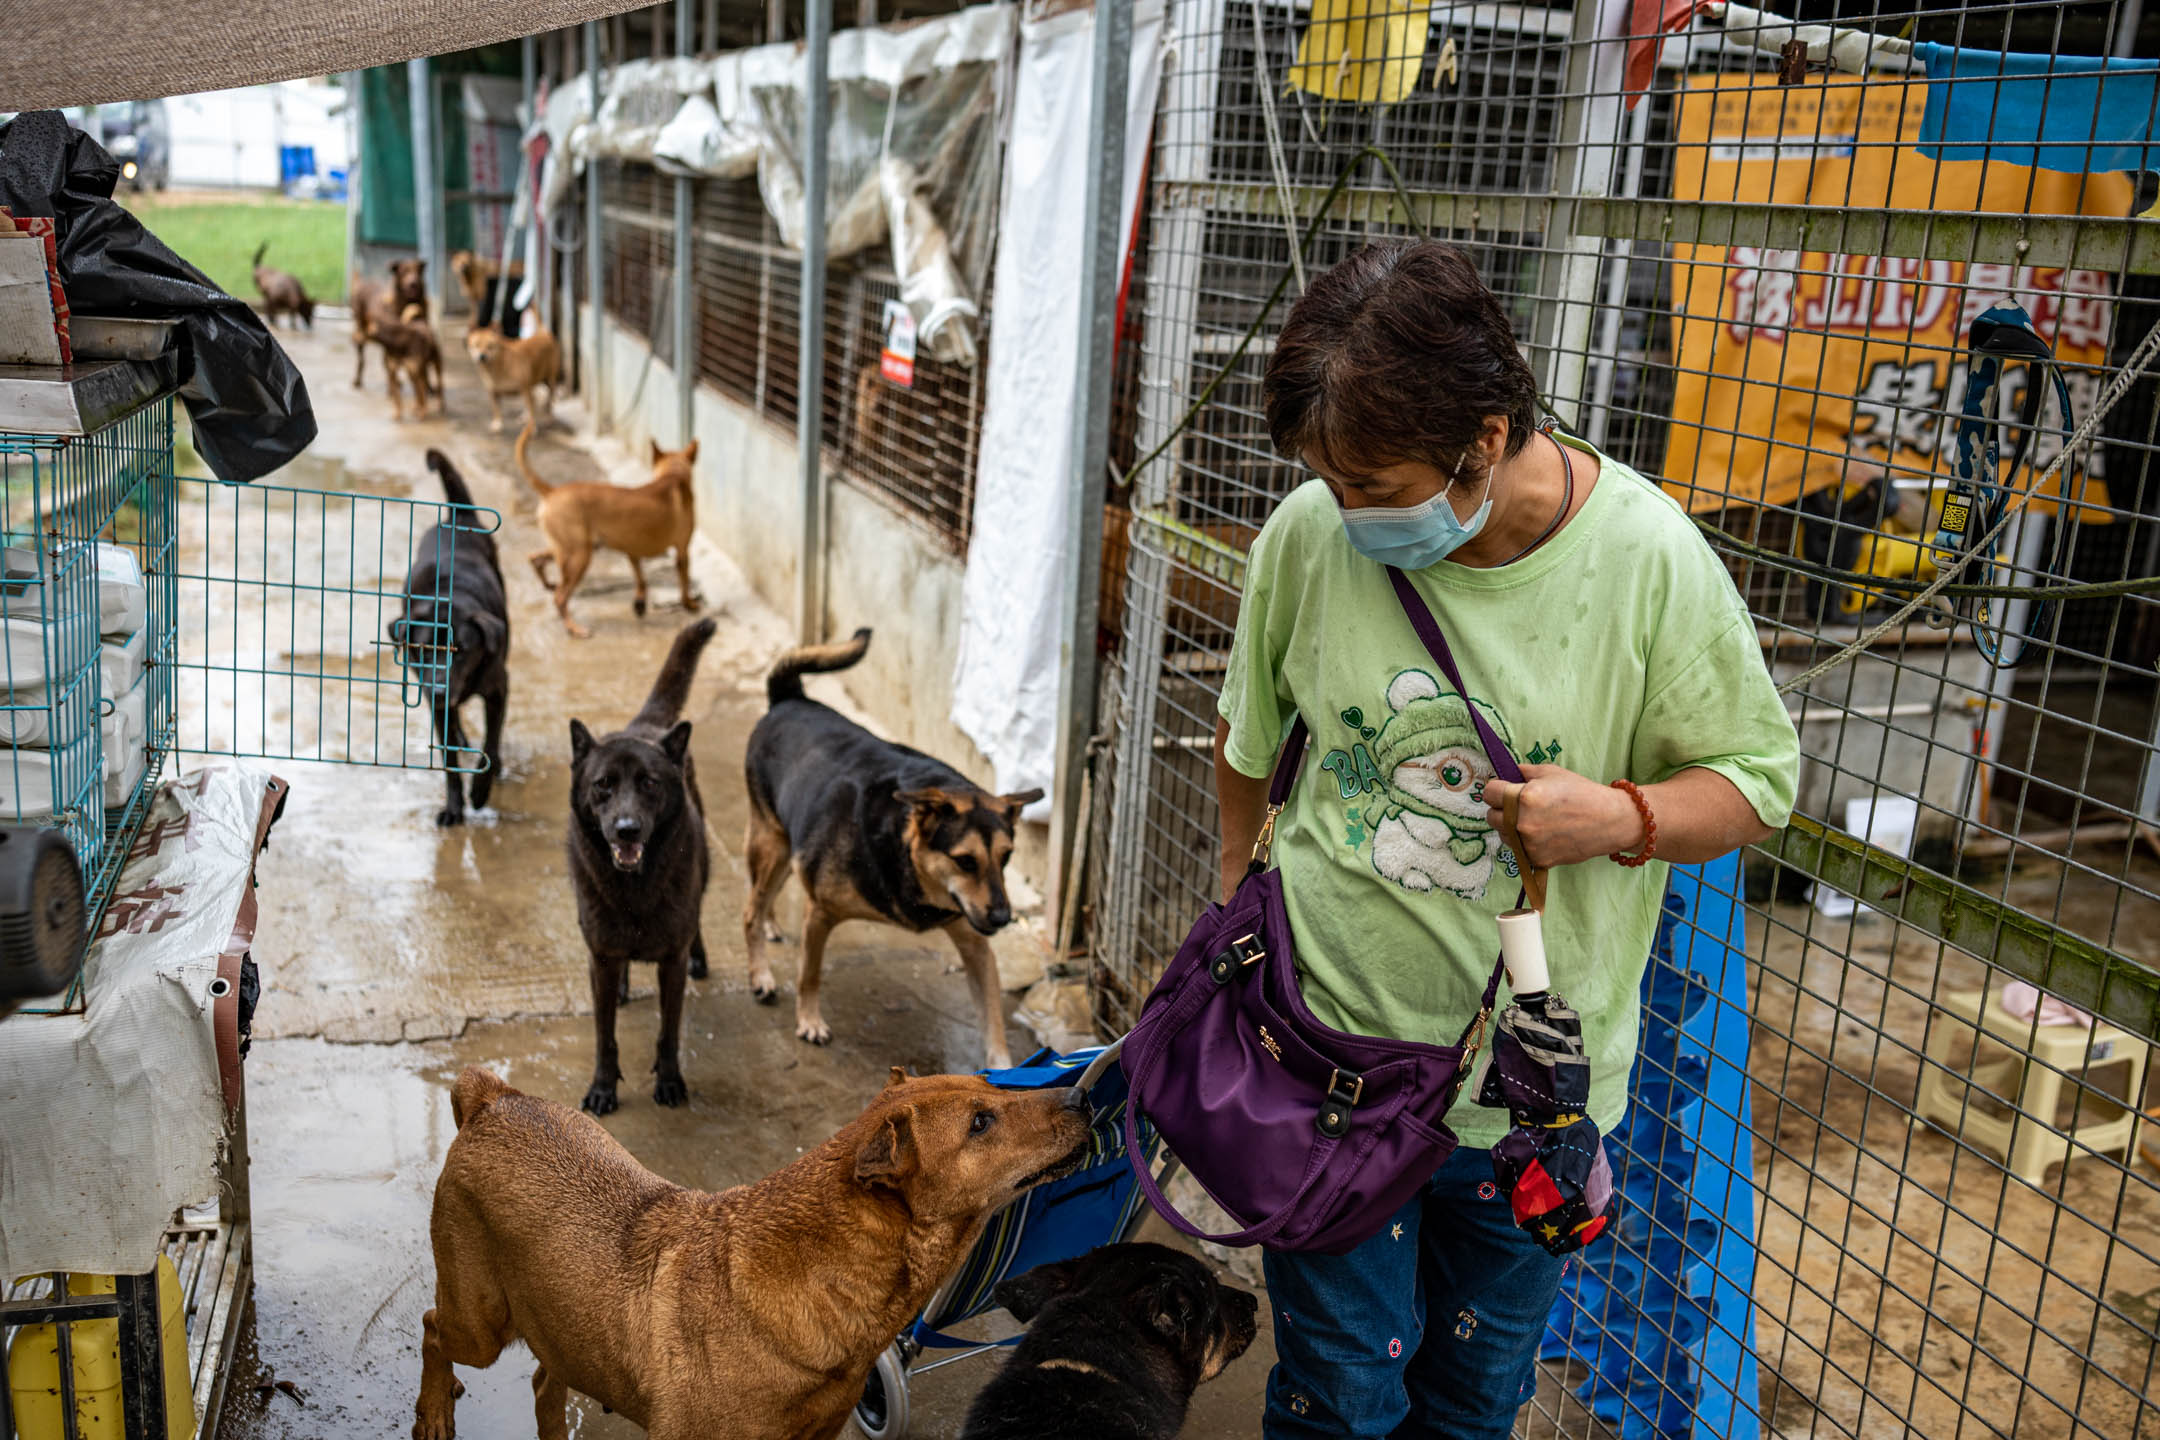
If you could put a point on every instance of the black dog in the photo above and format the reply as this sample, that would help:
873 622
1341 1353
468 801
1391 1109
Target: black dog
454 638
639 864
878 832
1117 1342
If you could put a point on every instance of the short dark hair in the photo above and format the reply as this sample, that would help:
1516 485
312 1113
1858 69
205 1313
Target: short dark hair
1399 353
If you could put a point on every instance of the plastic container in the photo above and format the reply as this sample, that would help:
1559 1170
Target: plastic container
34 1368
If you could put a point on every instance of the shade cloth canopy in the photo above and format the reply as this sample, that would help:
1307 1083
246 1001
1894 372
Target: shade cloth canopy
91 52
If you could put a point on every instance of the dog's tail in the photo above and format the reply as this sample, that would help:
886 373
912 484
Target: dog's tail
532 476
663 707
475 1090
784 680
453 484
260 251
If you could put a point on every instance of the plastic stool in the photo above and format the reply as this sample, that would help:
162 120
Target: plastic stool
2029 1077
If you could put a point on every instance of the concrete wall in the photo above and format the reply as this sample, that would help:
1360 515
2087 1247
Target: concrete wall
885 570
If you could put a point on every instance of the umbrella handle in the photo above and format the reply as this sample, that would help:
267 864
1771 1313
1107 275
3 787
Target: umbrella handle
1522 946
1100 1063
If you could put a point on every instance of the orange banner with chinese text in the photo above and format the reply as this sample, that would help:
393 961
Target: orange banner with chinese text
1801 371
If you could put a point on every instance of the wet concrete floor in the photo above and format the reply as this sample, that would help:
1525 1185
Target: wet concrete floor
393 954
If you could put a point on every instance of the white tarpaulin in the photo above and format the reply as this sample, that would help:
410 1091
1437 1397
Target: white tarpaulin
1005 692
911 158
114 1117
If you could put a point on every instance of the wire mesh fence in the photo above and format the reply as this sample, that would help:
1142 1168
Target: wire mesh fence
1882 1168
913 444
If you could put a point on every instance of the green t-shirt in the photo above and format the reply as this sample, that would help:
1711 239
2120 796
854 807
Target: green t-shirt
1619 650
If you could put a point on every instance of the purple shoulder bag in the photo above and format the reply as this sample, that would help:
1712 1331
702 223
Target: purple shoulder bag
1309 1137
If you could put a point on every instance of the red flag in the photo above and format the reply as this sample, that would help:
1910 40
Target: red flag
1649 22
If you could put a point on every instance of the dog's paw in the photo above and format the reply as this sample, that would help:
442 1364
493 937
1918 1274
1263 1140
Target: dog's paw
764 989
669 1090
433 1427
482 789
600 1100
817 1032
446 818
773 935
637 607
577 631
693 602
496 426
699 969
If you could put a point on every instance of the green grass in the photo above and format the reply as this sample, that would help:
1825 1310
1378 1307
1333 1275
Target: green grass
218 234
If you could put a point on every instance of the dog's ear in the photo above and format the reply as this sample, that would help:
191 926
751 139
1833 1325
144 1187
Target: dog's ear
676 743
1169 1308
1018 801
581 742
1025 1295
657 452
689 453
929 801
888 1156
899 1077
493 633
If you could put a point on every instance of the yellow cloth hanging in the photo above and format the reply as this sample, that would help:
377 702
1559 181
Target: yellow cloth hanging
1362 50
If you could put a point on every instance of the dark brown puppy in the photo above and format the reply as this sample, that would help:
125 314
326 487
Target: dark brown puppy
374 301
410 354
1117 1342
639 864
282 294
753 1314
876 832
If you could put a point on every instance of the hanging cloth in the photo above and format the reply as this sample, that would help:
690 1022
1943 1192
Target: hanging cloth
2071 113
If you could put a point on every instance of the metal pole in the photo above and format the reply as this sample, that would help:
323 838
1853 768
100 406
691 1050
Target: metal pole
595 271
685 254
1089 444
355 138
775 21
426 179
866 14
810 377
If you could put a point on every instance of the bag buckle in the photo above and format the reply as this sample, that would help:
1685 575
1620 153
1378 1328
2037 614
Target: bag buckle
1243 953
1265 840
1343 1093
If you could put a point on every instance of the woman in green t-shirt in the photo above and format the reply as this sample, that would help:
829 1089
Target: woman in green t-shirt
1605 643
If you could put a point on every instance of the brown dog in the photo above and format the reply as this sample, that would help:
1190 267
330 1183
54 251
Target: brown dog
515 367
374 302
409 351
753 1314
641 521
282 294
474 271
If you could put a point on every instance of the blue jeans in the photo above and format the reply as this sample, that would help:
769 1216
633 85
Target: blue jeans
1354 1354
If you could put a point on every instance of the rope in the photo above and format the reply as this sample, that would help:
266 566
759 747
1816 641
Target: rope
1274 143
2117 387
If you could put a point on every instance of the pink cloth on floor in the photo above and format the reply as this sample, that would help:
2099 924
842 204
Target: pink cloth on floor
2022 1000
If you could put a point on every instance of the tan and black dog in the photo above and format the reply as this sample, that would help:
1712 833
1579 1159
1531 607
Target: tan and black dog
641 521
282 294
876 832
373 301
515 367
473 273
752 1314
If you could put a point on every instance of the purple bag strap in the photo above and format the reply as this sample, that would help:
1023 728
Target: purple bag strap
1428 630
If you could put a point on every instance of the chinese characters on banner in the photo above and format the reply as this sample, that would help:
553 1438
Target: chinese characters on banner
1801 371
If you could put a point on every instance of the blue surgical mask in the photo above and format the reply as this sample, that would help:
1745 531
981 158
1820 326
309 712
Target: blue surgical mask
1414 536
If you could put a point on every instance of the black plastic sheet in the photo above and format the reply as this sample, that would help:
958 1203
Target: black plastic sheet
242 391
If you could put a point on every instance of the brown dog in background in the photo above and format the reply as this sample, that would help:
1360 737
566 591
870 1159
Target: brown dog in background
409 351
282 294
474 271
753 1314
515 367
374 302
641 521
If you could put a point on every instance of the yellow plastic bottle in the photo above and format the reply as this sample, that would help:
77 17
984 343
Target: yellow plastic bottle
34 1368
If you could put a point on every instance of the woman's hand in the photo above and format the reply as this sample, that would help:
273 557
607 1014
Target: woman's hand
1564 818
1567 818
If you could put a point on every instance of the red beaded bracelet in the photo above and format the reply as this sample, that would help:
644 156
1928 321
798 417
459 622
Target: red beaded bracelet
1642 856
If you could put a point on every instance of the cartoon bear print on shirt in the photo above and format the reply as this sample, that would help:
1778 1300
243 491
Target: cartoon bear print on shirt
1432 833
